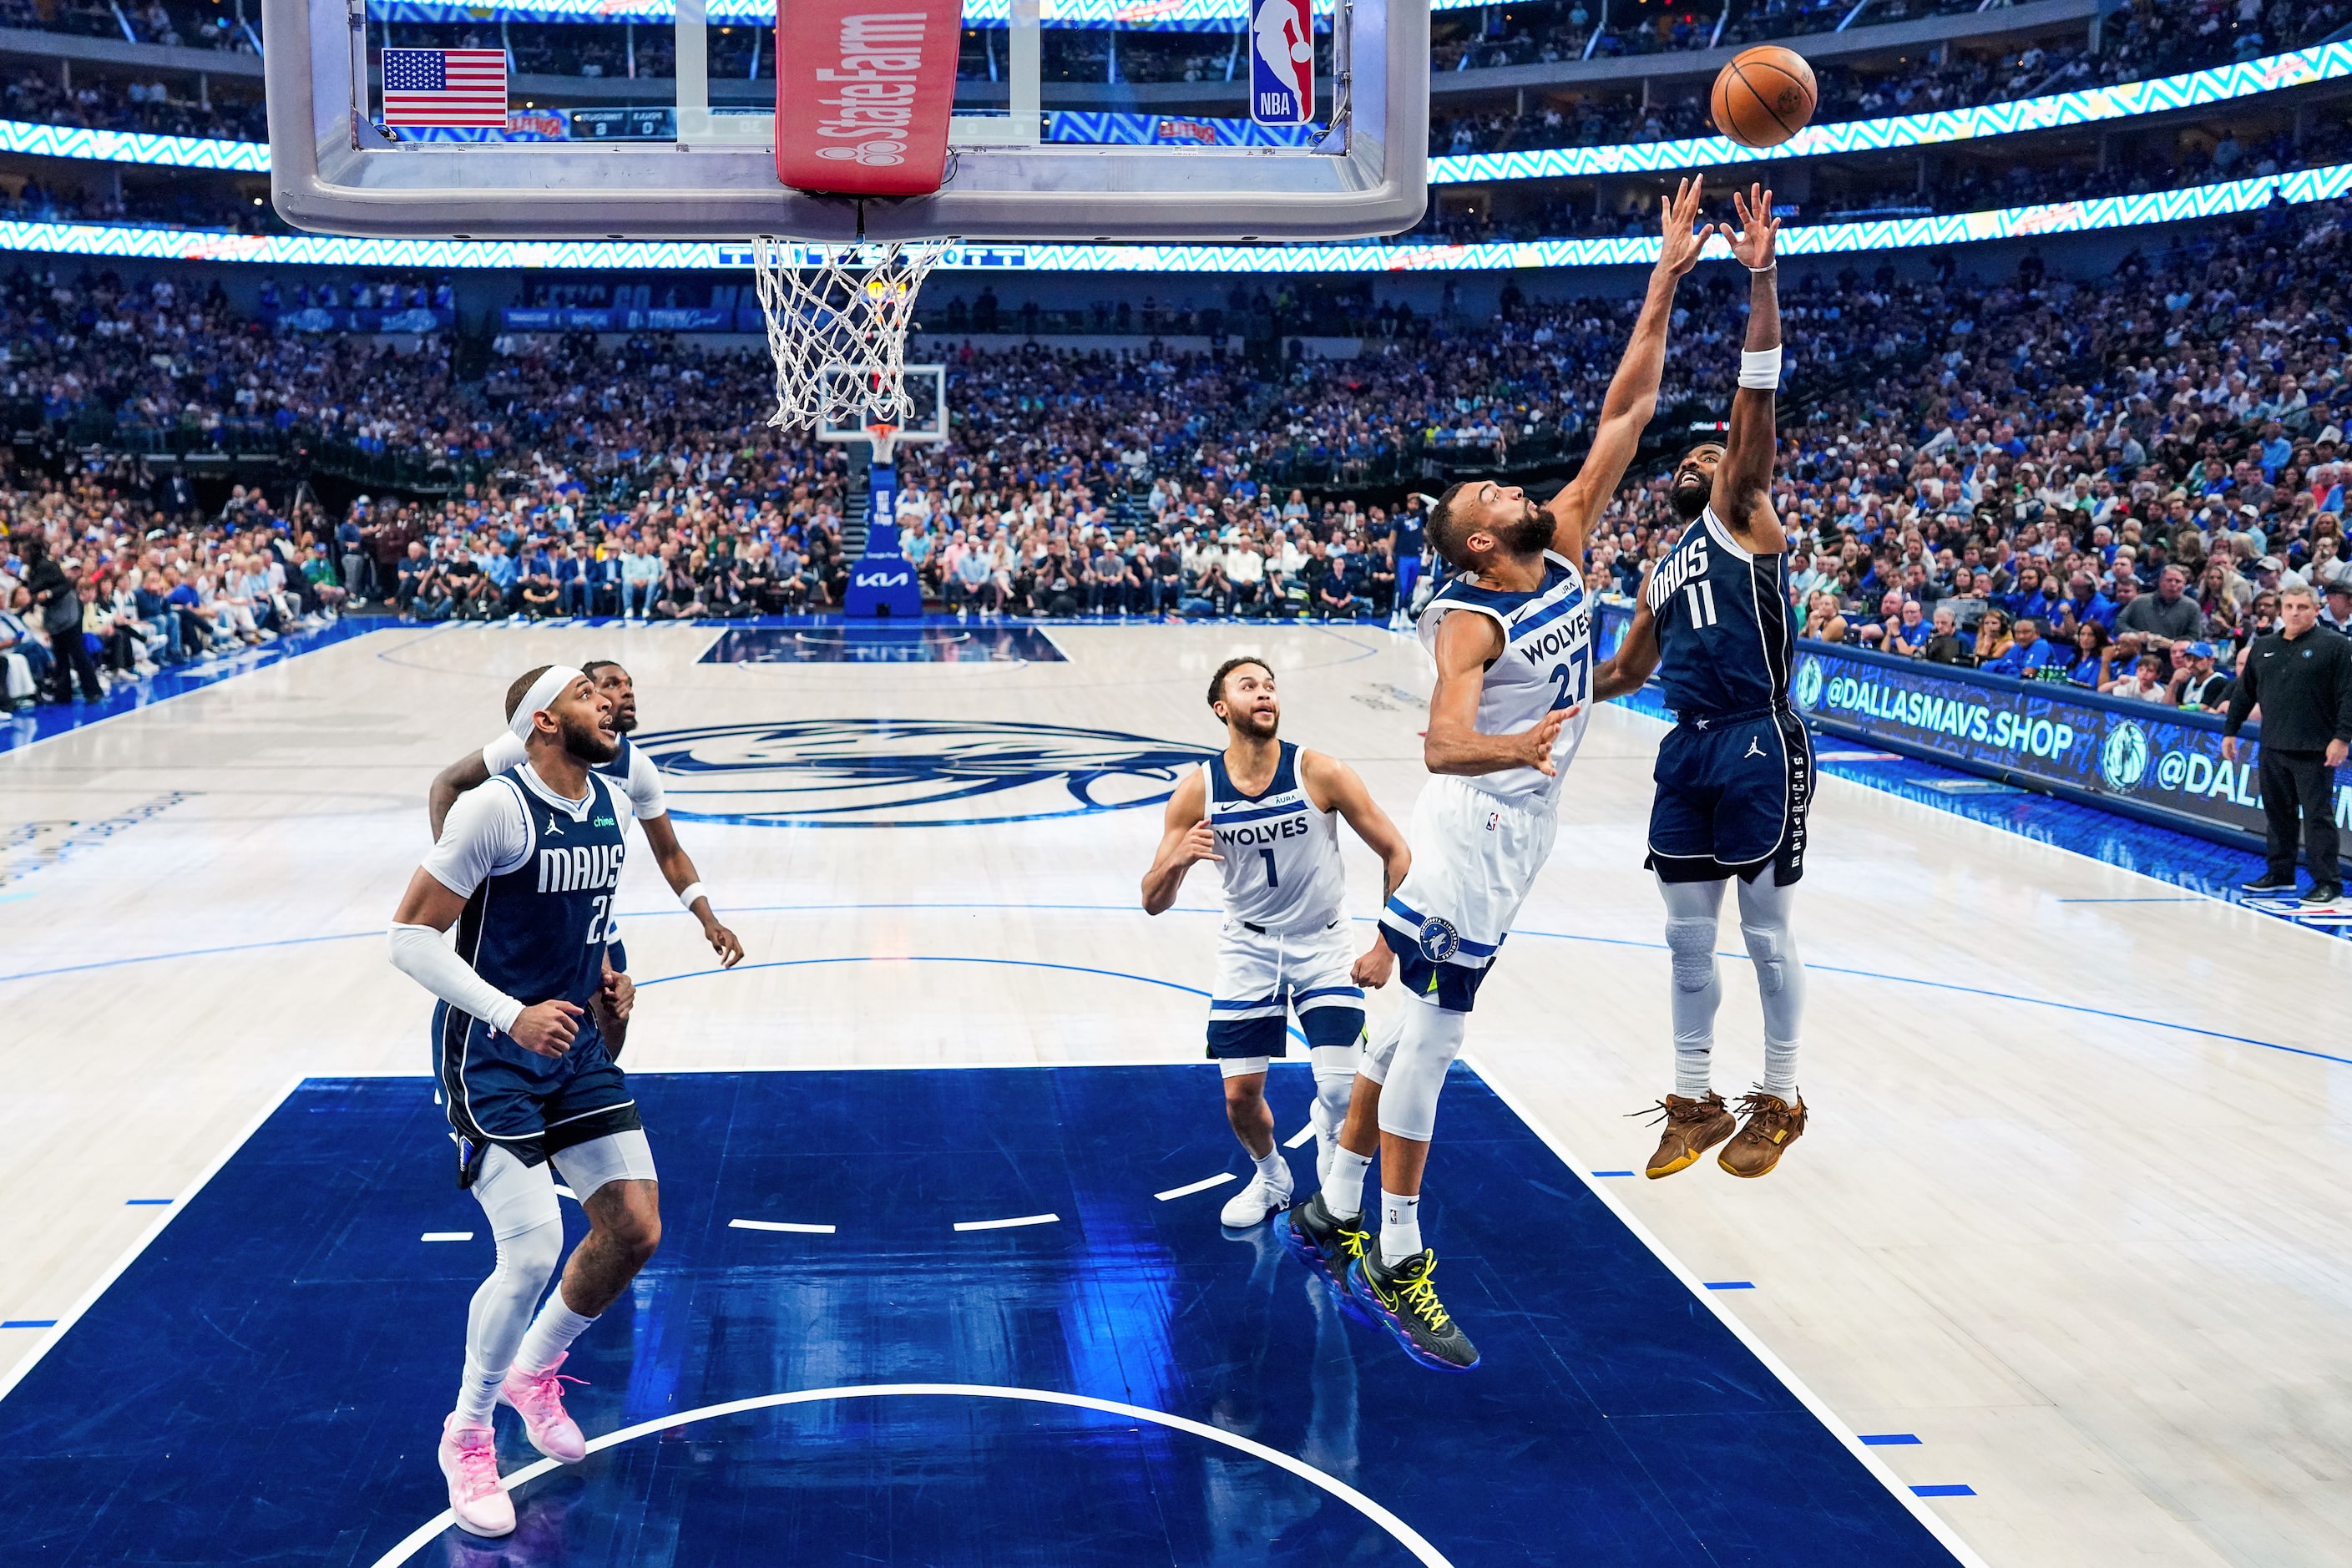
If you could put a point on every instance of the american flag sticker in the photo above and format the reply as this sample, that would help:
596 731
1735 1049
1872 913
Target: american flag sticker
446 86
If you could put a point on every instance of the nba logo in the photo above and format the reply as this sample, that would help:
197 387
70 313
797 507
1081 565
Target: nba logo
1282 62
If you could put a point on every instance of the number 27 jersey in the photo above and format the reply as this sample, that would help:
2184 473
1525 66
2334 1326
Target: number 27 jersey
1726 643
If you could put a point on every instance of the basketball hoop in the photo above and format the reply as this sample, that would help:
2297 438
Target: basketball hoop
837 320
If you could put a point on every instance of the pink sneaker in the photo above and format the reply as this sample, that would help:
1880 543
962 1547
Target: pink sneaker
538 1398
469 1458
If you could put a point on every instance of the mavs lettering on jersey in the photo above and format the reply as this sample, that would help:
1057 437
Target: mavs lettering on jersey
1546 664
538 931
1279 855
1726 643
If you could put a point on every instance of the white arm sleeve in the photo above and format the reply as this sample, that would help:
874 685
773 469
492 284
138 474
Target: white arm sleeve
504 753
425 956
645 796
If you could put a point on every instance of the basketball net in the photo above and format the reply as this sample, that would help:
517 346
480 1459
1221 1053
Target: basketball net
837 320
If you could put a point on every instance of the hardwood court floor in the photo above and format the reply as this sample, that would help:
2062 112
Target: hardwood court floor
2070 1210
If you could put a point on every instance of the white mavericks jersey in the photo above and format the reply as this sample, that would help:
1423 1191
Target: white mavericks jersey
1278 854
1547 663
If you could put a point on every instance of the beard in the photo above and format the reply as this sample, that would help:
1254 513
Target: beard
1262 725
1529 535
1689 497
584 742
626 719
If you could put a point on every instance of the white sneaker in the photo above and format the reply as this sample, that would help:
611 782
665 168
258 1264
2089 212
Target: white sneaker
1255 1203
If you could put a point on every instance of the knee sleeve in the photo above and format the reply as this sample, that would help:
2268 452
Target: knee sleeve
1335 1081
1691 943
519 1202
1380 1044
1430 1039
1779 976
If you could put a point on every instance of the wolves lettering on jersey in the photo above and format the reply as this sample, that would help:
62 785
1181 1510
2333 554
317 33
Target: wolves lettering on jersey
1726 642
1546 664
1278 854
538 931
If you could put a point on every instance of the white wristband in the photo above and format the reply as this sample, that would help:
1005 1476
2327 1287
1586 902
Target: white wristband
692 891
1759 369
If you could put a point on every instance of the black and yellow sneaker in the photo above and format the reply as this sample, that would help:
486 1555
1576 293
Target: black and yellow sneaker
1407 1305
1321 1240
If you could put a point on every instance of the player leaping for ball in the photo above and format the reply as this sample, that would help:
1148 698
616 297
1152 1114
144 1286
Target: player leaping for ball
1266 813
1512 635
1735 773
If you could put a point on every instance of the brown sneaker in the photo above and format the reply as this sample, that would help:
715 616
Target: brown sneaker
1692 1127
1772 1125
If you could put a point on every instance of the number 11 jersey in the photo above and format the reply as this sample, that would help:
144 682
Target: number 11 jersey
1726 643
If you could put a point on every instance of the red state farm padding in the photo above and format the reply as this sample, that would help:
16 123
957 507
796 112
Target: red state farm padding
863 94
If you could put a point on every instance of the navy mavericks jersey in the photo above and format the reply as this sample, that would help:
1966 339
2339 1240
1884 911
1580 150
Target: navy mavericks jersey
1726 642
537 932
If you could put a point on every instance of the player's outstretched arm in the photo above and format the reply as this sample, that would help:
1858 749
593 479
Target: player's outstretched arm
1185 837
1626 670
678 870
1743 480
1333 785
1632 395
1466 645
468 772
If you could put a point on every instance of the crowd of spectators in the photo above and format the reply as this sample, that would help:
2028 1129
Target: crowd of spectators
2142 41
43 97
1978 472
182 23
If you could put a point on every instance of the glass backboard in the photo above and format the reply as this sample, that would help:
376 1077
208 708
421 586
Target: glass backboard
1074 120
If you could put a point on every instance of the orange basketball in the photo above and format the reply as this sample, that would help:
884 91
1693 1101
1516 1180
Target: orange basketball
1763 97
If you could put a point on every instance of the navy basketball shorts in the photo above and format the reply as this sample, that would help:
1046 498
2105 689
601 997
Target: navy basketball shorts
532 1106
1265 975
1732 796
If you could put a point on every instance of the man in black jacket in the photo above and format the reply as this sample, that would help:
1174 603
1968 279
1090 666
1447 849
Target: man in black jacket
2302 676
58 604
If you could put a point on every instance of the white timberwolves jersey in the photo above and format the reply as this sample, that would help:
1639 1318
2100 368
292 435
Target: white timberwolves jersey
1547 663
1280 855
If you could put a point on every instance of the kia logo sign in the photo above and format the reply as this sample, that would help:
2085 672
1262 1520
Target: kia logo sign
1282 62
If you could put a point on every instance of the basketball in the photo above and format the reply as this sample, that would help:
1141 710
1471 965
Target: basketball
1763 97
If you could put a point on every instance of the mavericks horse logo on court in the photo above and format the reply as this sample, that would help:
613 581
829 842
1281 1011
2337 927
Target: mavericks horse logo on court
1439 940
910 773
2123 761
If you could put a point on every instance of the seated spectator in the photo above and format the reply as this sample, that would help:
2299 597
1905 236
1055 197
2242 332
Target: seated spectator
1910 632
1945 643
2145 683
2198 684
1335 595
1993 641
1881 633
2093 654
1823 620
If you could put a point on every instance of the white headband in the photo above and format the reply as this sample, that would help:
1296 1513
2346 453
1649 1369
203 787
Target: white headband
543 691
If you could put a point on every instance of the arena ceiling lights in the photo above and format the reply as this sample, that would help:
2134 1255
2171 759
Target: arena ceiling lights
2050 219
2328 62
1130 16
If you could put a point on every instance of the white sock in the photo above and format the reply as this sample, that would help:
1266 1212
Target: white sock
1343 1189
551 1333
477 1394
1693 1080
1781 1070
1399 1228
1274 1171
